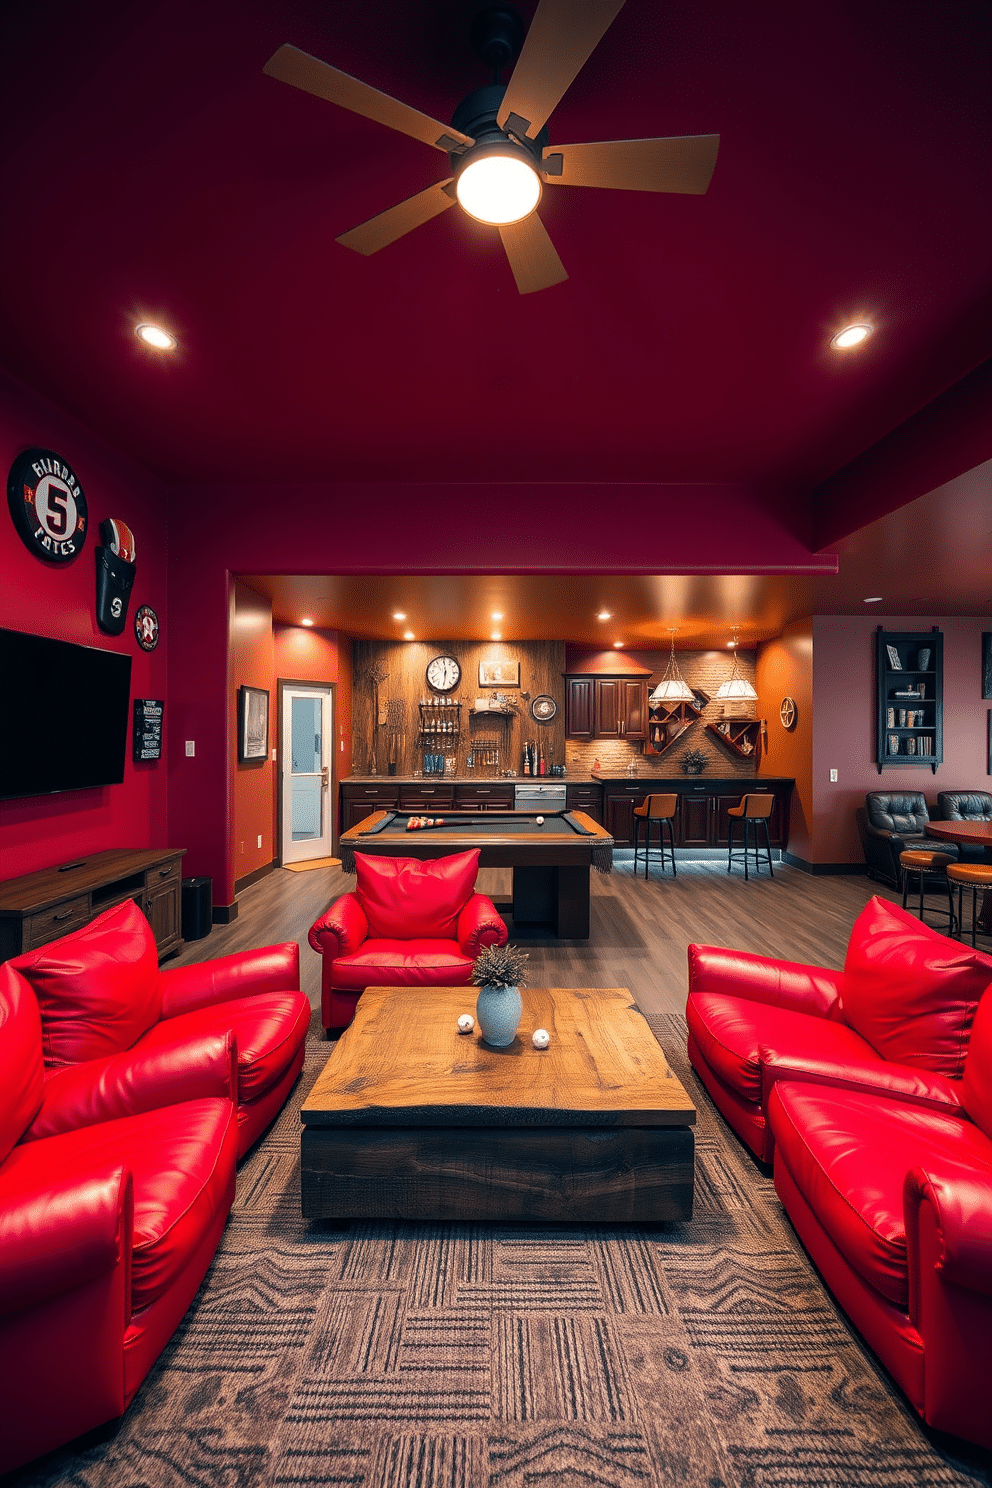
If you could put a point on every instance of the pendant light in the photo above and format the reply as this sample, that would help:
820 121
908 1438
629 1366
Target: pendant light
673 688
736 687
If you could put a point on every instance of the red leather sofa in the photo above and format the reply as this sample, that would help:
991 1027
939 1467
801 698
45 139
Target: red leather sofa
407 924
116 1178
128 1094
100 991
871 1089
896 1020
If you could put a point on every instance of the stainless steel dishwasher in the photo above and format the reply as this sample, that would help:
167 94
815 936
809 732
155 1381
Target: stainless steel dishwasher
534 795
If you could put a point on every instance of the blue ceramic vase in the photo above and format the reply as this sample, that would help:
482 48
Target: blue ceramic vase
498 1010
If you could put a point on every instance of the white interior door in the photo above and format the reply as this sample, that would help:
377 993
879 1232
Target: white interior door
307 740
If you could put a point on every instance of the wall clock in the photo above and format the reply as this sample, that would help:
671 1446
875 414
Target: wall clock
444 673
787 712
543 709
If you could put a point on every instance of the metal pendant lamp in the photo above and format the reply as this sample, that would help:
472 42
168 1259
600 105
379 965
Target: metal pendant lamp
673 688
736 687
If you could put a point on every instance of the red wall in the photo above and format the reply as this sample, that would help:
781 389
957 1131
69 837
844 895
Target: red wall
844 724
251 665
43 830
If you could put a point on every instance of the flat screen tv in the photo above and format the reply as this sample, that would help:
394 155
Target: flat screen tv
64 715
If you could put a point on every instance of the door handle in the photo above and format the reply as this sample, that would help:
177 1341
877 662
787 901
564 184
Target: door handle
324 781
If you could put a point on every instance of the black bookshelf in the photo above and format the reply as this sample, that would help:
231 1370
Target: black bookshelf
910 698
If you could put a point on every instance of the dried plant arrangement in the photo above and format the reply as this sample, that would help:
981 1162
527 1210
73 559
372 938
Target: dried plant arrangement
500 966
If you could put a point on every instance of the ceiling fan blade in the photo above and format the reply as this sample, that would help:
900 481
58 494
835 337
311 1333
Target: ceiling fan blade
300 70
380 231
533 257
562 35
682 164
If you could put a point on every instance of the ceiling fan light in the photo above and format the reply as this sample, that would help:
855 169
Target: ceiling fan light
498 188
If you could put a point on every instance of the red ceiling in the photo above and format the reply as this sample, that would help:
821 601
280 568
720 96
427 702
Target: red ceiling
150 170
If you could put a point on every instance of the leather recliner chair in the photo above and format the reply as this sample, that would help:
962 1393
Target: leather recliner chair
889 822
408 924
970 806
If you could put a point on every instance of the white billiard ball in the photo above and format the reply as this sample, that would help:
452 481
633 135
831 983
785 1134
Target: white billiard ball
466 1023
540 821
540 1038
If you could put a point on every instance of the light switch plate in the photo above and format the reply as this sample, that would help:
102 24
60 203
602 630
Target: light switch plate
190 748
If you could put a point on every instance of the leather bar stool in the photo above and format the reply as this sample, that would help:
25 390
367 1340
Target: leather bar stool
753 811
930 869
660 809
979 876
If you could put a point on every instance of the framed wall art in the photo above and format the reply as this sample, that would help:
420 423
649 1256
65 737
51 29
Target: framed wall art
499 674
989 765
253 724
987 664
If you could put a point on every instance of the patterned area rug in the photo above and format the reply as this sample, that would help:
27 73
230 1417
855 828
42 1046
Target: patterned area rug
383 1355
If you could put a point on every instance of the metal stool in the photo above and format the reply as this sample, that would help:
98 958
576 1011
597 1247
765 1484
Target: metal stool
660 809
756 809
979 877
928 866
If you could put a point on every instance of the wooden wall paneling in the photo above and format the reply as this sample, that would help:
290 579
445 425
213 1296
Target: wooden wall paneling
401 668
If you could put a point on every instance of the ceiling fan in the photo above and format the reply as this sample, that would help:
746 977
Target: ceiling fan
497 142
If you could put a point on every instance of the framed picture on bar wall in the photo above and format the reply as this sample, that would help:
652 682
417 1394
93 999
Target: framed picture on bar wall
499 674
987 663
253 724
989 717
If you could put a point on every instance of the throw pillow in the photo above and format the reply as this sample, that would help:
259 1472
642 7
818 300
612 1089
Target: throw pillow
405 899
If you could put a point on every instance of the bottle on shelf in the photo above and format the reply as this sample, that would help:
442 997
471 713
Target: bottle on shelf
541 762
526 764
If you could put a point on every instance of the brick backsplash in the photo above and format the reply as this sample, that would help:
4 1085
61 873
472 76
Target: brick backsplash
702 669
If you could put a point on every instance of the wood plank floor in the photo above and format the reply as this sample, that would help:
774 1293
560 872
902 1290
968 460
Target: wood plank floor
640 930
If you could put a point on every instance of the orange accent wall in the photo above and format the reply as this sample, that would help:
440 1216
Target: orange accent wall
251 664
302 654
784 668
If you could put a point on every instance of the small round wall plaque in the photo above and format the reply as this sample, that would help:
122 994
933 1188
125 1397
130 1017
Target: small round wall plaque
48 506
543 709
146 628
788 713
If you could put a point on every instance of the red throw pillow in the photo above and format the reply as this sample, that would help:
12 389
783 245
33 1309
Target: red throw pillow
977 1090
405 899
98 989
911 992
22 1086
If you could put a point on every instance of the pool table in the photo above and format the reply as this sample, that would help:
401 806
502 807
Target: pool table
550 859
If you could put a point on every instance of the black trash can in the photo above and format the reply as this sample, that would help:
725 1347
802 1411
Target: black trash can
197 907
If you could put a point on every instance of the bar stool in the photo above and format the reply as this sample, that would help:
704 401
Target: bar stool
979 876
660 809
756 809
930 869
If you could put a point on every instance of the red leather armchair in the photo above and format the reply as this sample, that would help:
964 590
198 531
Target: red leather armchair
407 924
100 992
895 1021
116 1178
893 1201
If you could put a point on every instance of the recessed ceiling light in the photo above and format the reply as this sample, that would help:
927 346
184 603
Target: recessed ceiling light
604 615
398 615
731 645
875 599
497 614
154 335
851 335
408 635
618 644
495 636
306 622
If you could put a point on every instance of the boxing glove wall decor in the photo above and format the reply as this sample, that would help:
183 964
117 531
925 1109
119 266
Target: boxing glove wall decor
114 575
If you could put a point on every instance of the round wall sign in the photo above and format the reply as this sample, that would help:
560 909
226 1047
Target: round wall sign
48 506
146 628
787 712
543 709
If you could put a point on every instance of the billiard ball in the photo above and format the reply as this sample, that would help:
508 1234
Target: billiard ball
540 1038
540 821
466 1023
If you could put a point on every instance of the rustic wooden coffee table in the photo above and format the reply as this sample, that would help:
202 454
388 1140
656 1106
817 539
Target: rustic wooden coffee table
412 1120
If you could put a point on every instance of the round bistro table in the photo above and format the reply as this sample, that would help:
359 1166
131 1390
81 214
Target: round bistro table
976 834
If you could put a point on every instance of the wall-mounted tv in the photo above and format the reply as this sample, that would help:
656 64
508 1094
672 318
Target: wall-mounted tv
64 711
